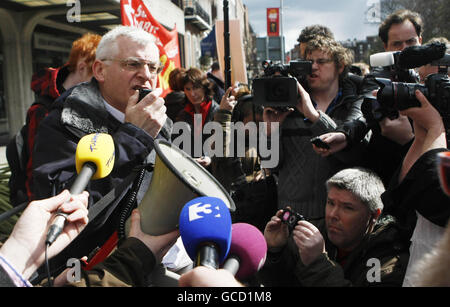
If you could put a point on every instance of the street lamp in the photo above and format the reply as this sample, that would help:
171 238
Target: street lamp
226 34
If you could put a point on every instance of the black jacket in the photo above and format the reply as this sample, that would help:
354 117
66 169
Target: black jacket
218 87
419 191
78 112
188 120
383 243
302 172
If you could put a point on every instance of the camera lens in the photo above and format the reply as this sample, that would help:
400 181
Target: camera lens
277 91
399 96
405 96
292 219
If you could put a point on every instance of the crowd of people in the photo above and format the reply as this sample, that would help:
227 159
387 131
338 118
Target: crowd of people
374 211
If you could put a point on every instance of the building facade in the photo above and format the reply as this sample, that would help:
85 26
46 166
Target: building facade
39 34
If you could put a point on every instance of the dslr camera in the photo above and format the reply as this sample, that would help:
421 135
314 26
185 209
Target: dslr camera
291 218
396 96
278 87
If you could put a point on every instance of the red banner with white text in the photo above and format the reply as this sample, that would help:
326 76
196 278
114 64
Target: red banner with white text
135 13
273 21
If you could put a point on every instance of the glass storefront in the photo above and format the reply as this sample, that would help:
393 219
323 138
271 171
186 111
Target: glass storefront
50 50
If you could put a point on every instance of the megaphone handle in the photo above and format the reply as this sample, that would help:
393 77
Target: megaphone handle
86 173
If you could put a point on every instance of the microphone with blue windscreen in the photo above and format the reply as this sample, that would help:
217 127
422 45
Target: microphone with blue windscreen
205 229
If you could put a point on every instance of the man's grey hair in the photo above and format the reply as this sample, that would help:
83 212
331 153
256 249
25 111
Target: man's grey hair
362 183
108 44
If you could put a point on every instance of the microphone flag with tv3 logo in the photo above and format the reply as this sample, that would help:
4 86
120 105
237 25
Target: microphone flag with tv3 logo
205 229
248 251
94 159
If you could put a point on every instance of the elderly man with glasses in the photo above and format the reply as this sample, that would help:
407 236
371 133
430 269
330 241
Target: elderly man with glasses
127 60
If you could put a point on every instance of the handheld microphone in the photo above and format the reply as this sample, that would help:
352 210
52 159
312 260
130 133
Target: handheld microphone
94 159
205 229
248 251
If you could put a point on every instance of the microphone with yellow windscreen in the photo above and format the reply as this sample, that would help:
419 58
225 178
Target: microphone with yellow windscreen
94 159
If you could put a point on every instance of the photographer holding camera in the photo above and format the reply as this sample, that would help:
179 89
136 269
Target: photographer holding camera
415 196
355 247
331 100
391 135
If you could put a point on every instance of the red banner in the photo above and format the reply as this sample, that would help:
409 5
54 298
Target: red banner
273 21
135 13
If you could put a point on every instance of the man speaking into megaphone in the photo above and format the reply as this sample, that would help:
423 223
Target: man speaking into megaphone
127 62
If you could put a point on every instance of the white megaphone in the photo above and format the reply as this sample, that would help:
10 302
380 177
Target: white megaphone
177 178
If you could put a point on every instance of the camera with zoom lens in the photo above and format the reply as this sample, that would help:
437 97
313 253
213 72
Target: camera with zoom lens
397 96
291 218
278 87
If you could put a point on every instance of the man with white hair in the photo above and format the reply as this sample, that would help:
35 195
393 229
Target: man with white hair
127 60
355 247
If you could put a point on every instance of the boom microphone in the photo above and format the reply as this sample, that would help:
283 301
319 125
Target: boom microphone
410 57
205 229
94 159
416 56
247 251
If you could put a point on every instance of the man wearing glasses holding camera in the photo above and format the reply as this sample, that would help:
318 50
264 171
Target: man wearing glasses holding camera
127 60
331 100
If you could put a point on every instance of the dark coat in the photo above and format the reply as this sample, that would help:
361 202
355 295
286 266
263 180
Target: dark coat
218 87
302 172
187 118
419 191
129 265
81 111
383 244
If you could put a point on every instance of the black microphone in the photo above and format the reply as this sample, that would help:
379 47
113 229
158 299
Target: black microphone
416 56
94 159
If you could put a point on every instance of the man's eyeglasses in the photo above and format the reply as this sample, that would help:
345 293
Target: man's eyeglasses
132 64
320 61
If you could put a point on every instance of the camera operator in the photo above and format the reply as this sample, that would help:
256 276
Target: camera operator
332 100
339 253
391 137
415 196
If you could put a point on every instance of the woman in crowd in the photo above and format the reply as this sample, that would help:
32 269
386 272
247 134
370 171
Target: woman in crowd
199 109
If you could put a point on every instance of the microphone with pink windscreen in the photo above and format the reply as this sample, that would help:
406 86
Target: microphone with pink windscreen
247 252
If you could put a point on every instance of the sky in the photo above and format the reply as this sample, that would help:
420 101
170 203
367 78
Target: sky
346 18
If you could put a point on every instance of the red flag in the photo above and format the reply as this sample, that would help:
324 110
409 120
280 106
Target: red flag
273 21
135 13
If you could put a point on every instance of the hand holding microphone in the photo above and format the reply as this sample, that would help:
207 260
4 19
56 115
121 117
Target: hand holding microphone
24 248
94 159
